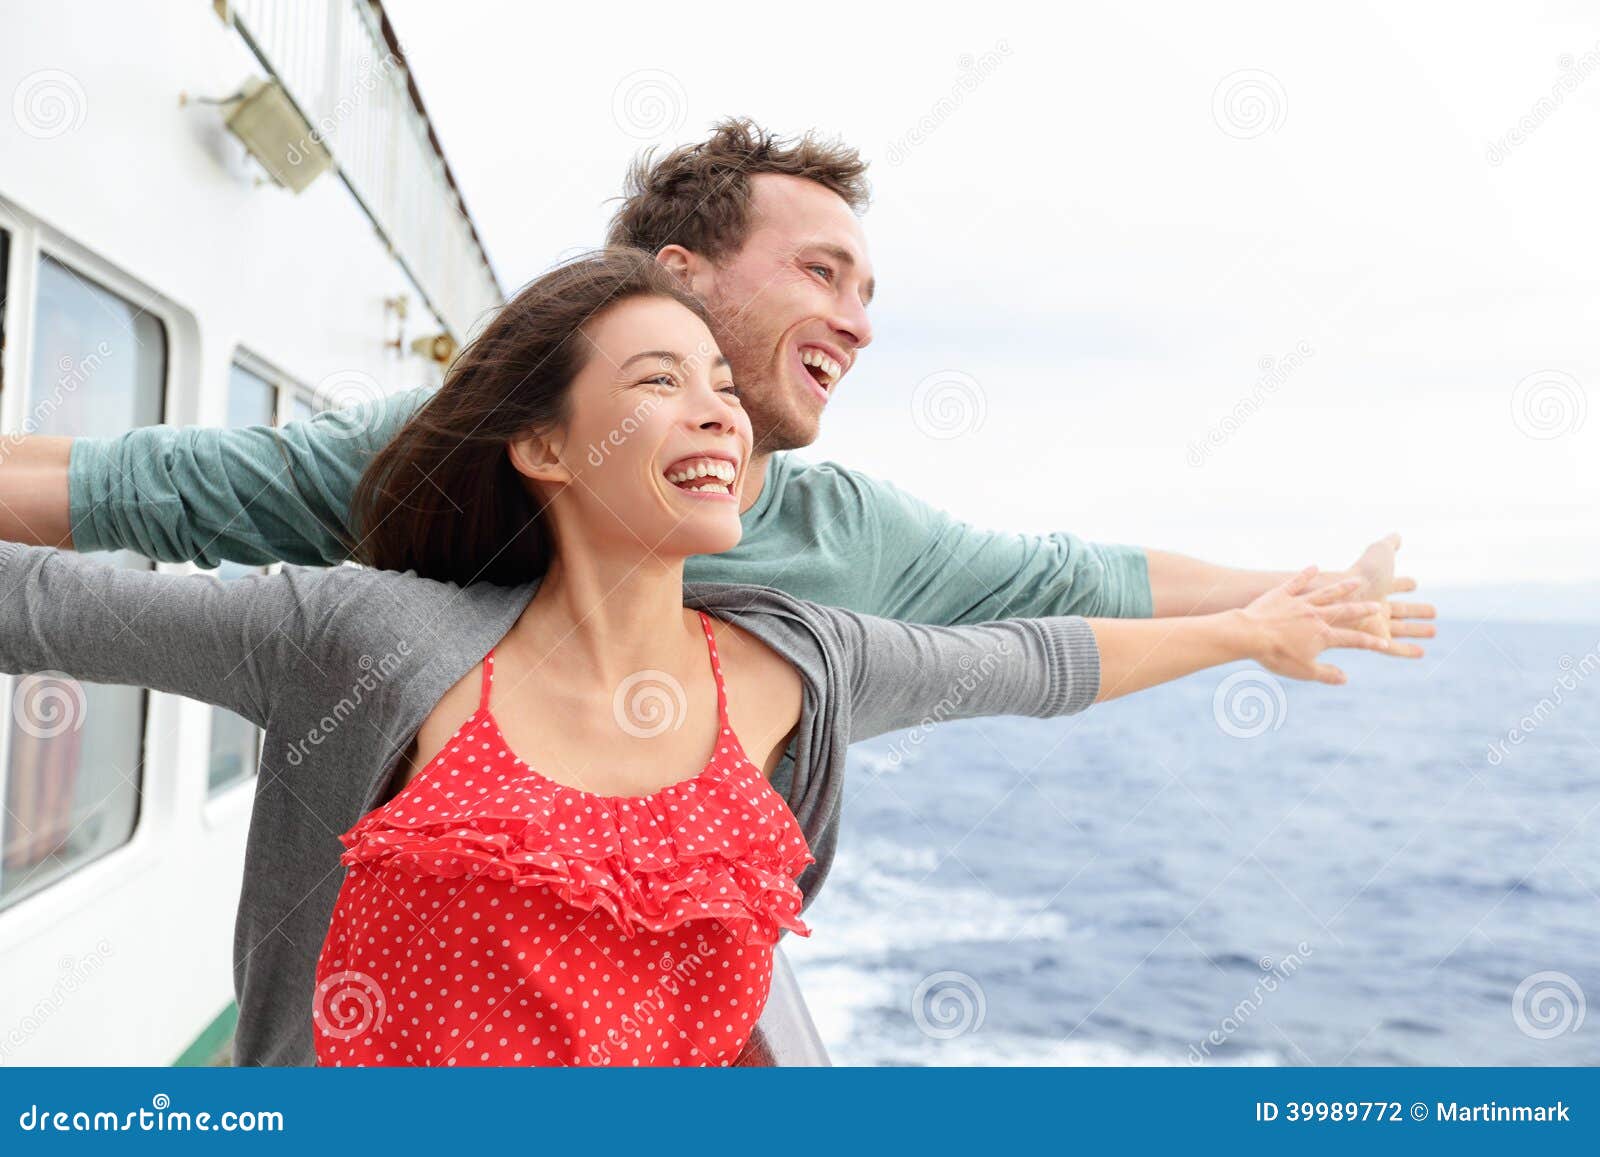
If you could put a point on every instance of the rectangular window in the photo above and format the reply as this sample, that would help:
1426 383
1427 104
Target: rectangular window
235 741
73 779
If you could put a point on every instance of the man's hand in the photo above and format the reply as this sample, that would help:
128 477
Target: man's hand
1375 569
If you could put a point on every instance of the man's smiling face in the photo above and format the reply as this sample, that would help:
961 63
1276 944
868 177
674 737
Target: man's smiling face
791 306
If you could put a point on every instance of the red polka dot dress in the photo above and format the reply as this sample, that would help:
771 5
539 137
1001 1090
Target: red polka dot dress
490 916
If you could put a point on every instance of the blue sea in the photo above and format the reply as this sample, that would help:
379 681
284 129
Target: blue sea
1234 869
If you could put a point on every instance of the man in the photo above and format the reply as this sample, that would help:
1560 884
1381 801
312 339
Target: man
766 231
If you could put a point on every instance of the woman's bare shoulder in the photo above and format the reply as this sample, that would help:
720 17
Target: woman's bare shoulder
765 693
754 660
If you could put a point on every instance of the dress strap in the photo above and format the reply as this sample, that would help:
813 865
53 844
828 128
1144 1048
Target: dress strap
488 678
716 669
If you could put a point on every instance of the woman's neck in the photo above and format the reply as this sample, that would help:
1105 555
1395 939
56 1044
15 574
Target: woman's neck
609 616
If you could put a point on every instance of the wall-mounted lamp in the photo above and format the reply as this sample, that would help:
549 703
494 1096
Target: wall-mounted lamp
436 347
271 127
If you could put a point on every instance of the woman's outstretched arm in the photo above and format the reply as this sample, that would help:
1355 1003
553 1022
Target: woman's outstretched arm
190 635
1285 629
909 674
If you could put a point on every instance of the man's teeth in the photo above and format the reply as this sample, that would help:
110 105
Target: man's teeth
720 472
830 368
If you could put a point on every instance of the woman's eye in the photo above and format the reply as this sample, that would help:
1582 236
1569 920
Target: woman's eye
661 380
732 391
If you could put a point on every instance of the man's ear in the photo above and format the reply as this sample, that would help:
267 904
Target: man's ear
538 456
693 272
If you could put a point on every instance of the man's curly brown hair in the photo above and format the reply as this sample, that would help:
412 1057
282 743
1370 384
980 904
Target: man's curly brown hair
698 196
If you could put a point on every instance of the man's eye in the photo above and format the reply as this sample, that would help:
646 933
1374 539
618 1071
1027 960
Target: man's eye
822 271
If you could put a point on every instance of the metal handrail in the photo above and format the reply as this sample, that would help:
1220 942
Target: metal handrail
785 1034
340 63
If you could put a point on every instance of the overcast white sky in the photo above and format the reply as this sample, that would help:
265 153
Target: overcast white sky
1094 223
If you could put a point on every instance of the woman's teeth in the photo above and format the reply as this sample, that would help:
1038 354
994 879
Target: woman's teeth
830 369
719 475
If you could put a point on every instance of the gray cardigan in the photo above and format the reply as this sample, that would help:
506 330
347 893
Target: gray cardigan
341 666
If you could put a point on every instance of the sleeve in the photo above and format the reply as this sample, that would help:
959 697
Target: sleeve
936 568
195 635
908 674
250 495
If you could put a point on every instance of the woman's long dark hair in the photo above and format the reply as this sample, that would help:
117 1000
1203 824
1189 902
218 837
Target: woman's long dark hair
443 498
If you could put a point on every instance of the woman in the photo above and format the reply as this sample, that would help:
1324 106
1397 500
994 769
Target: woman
575 801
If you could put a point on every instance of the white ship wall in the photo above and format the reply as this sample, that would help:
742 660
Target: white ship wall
127 958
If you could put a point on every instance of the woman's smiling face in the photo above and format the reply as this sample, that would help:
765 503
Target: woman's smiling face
656 445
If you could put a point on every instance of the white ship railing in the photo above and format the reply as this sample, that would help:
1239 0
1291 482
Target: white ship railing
339 61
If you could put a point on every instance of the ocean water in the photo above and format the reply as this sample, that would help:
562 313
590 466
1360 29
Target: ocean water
1234 869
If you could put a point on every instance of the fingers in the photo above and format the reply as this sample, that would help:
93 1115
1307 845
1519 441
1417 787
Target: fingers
1411 610
1365 641
1411 630
1350 612
1350 637
1297 583
1392 540
1333 592
1402 584
1328 673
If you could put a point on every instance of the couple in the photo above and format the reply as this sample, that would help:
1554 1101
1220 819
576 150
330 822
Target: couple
535 872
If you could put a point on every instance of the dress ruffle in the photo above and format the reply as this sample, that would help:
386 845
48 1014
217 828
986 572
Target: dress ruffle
636 858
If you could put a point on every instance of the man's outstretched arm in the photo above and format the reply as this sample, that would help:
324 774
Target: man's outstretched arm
250 495
33 491
1180 585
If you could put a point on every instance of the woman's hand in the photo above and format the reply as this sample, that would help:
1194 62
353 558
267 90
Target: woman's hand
1290 625
1285 630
